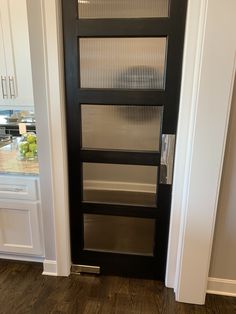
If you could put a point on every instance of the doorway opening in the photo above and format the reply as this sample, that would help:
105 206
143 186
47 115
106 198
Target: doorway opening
123 66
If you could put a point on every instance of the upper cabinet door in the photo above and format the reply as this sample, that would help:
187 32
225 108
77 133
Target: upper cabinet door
18 74
3 67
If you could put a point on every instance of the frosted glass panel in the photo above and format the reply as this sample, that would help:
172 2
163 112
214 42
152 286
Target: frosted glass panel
121 127
135 63
95 9
119 184
119 234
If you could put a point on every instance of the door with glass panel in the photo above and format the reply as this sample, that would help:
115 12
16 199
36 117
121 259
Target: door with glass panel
122 70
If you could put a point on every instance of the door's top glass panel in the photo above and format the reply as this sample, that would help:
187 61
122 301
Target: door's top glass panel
102 9
133 63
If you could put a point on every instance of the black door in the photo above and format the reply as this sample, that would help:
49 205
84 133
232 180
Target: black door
123 70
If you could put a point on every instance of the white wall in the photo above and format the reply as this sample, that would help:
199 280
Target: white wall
223 259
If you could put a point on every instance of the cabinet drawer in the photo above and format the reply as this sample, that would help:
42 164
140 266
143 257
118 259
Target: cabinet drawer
17 187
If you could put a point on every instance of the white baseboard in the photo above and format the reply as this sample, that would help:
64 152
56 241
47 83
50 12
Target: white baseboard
221 286
49 268
37 259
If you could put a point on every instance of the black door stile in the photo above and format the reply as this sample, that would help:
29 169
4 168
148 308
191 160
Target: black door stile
172 28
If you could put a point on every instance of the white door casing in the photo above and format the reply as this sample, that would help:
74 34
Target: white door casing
45 33
195 195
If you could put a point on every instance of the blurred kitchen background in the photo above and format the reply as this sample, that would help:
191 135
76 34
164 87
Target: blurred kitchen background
10 119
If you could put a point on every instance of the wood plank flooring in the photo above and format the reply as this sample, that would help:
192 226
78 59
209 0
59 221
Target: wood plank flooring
24 290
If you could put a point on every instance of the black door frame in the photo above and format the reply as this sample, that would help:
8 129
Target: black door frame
172 28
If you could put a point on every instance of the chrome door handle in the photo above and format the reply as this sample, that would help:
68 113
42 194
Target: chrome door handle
4 87
12 87
167 158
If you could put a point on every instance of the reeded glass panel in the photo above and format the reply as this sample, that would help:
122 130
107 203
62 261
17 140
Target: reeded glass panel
121 127
119 184
134 63
119 234
96 9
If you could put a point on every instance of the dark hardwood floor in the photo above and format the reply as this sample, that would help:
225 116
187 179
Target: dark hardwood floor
24 290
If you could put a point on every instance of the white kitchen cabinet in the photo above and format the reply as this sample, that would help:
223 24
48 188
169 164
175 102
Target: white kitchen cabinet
20 216
20 228
16 89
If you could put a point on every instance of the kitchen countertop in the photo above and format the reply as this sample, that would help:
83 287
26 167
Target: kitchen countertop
10 165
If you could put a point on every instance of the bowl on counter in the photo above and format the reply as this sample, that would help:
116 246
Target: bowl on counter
27 147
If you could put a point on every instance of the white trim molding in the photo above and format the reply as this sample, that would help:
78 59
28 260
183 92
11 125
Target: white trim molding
26 258
52 18
206 146
50 268
45 28
221 286
194 36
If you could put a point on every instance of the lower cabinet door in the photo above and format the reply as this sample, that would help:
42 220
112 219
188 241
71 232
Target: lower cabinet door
20 227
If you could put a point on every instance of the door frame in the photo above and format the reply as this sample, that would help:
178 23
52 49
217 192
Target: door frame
187 246
201 139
